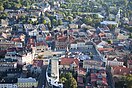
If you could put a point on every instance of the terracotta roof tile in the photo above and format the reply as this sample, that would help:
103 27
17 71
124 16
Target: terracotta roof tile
68 61
121 70
62 39
49 38
16 39
105 49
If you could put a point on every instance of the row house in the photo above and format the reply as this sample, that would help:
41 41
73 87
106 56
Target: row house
78 44
37 47
115 62
119 71
92 64
6 44
61 43
7 63
23 56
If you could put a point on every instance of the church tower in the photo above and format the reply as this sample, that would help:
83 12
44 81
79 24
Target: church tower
118 16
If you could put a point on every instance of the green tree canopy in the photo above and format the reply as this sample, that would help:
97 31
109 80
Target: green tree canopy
129 81
60 22
1 8
68 80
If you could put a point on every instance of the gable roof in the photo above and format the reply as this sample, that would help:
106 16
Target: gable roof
62 39
121 70
68 61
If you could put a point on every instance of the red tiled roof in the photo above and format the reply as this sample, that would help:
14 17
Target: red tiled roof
94 78
78 40
62 39
68 61
101 34
105 49
49 38
41 44
31 40
121 70
16 39
82 71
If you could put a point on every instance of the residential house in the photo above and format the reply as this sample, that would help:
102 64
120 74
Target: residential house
120 71
42 27
6 44
5 29
115 62
36 13
7 82
8 85
59 16
20 54
33 32
109 23
77 44
73 26
129 63
38 62
69 64
39 48
122 36
45 7
61 42
92 64
98 80
28 27
7 63
82 46
80 82
4 23
27 83
40 38
35 70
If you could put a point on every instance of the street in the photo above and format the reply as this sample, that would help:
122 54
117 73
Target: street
109 78
42 77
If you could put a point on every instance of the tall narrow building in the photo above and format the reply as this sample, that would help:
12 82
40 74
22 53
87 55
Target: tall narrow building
118 16
55 68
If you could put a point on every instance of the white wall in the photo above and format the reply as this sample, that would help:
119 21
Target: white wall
73 46
8 86
115 63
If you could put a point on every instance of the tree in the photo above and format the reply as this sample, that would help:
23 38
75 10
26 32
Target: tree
44 22
40 57
60 22
128 80
63 80
70 18
1 8
54 22
110 41
68 80
17 6
88 20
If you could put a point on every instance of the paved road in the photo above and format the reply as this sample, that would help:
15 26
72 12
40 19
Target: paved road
42 77
110 78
